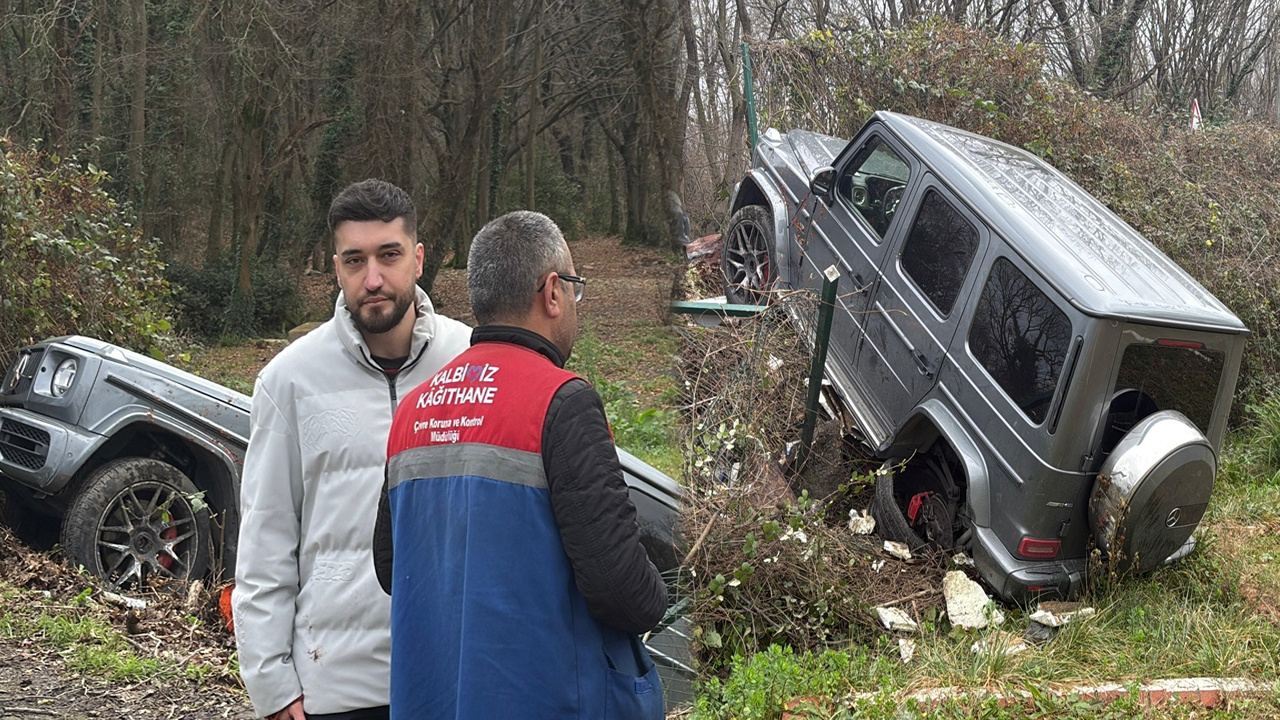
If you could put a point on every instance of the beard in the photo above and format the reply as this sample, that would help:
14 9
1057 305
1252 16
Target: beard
384 317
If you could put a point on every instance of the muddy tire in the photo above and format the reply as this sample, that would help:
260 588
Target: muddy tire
135 522
890 521
747 261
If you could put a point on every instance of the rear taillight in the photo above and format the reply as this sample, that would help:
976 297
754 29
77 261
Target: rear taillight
1188 344
1037 549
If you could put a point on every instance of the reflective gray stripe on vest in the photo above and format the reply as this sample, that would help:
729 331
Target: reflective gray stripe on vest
477 459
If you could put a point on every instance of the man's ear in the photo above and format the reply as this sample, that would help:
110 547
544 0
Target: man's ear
552 296
418 255
336 273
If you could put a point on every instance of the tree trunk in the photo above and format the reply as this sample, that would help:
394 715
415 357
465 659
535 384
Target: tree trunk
615 218
60 109
531 153
213 242
138 116
99 75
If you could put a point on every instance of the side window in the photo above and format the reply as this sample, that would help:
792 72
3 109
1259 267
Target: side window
873 183
939 251
1021 337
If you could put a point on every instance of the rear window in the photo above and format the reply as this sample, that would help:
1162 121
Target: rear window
1169 377
1021 337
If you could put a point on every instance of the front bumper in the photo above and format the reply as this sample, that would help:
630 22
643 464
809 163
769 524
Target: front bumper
1021 580
40 453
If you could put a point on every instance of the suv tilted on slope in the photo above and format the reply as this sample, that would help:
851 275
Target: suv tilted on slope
142 462
1038 372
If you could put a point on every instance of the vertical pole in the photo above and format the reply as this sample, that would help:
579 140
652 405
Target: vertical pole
822 337
749 84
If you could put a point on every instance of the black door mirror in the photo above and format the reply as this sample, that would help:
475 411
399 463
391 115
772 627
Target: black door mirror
823 182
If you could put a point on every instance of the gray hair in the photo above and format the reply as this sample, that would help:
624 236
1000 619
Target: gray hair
508 257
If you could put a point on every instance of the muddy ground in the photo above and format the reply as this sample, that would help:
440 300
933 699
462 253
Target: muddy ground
626 287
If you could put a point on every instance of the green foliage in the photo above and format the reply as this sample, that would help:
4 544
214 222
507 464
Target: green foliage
71 260
646 432
759 686
89 645
209 307
1206 199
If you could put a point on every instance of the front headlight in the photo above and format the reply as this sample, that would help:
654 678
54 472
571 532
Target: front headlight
63 377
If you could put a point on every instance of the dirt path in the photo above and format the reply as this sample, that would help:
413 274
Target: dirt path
34 683
626 286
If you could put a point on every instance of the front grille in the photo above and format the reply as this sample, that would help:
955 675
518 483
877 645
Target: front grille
23 445
19 376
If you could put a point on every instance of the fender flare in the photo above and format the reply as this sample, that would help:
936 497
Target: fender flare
224 460
754 189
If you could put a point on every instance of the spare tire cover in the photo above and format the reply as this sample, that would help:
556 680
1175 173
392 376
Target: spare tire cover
1152 491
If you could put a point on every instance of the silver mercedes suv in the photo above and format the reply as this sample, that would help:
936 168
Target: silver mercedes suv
1038 375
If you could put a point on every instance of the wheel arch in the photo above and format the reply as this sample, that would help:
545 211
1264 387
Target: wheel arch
755 189
932 422
213 465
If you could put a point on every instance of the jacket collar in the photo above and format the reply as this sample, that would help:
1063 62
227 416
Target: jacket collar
518 336
424 328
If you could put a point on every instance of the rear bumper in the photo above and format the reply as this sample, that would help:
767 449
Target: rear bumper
1022 580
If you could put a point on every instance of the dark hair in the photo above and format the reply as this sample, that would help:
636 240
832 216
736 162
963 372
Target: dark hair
373 200
507 258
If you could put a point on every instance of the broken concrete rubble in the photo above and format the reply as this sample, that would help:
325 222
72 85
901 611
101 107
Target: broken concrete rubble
967 604
861 522
1057 614
906 649
999 641
897 549
895 619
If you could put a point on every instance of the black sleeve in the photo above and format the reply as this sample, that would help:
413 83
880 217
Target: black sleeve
596 517
383 550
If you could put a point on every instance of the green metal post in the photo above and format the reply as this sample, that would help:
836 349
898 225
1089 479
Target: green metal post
749 84
821 339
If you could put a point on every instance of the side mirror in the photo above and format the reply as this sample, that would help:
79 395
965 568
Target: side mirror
823 182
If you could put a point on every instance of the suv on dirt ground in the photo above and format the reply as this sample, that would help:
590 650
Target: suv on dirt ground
1036 373
141 462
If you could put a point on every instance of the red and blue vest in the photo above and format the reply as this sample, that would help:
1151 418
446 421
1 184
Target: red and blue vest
486 618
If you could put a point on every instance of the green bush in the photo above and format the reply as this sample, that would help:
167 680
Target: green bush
71 260
203 298
758 687
1205 198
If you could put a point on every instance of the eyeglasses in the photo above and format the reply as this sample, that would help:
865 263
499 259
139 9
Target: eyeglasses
579 285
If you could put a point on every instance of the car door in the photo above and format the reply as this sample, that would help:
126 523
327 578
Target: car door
849 227
913 311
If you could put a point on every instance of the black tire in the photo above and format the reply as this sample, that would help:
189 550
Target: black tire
134 521
747 260
890 521
936 519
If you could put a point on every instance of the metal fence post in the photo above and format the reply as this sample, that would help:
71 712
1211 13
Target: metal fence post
749 86
822 337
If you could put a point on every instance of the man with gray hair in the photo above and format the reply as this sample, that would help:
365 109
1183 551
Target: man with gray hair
505 536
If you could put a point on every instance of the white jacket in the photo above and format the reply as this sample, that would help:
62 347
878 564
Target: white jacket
310 616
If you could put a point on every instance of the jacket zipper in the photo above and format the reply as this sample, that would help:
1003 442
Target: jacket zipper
391 376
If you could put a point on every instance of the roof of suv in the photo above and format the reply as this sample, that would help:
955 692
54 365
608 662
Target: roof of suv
1093 257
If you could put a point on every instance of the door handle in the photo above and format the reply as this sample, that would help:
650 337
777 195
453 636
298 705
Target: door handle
922 364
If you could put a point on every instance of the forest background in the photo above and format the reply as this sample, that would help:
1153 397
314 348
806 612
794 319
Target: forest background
169 163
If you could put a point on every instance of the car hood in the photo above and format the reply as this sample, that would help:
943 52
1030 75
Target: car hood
117 354
806 151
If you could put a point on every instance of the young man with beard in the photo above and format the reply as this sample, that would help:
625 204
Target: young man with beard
506 537
312 624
